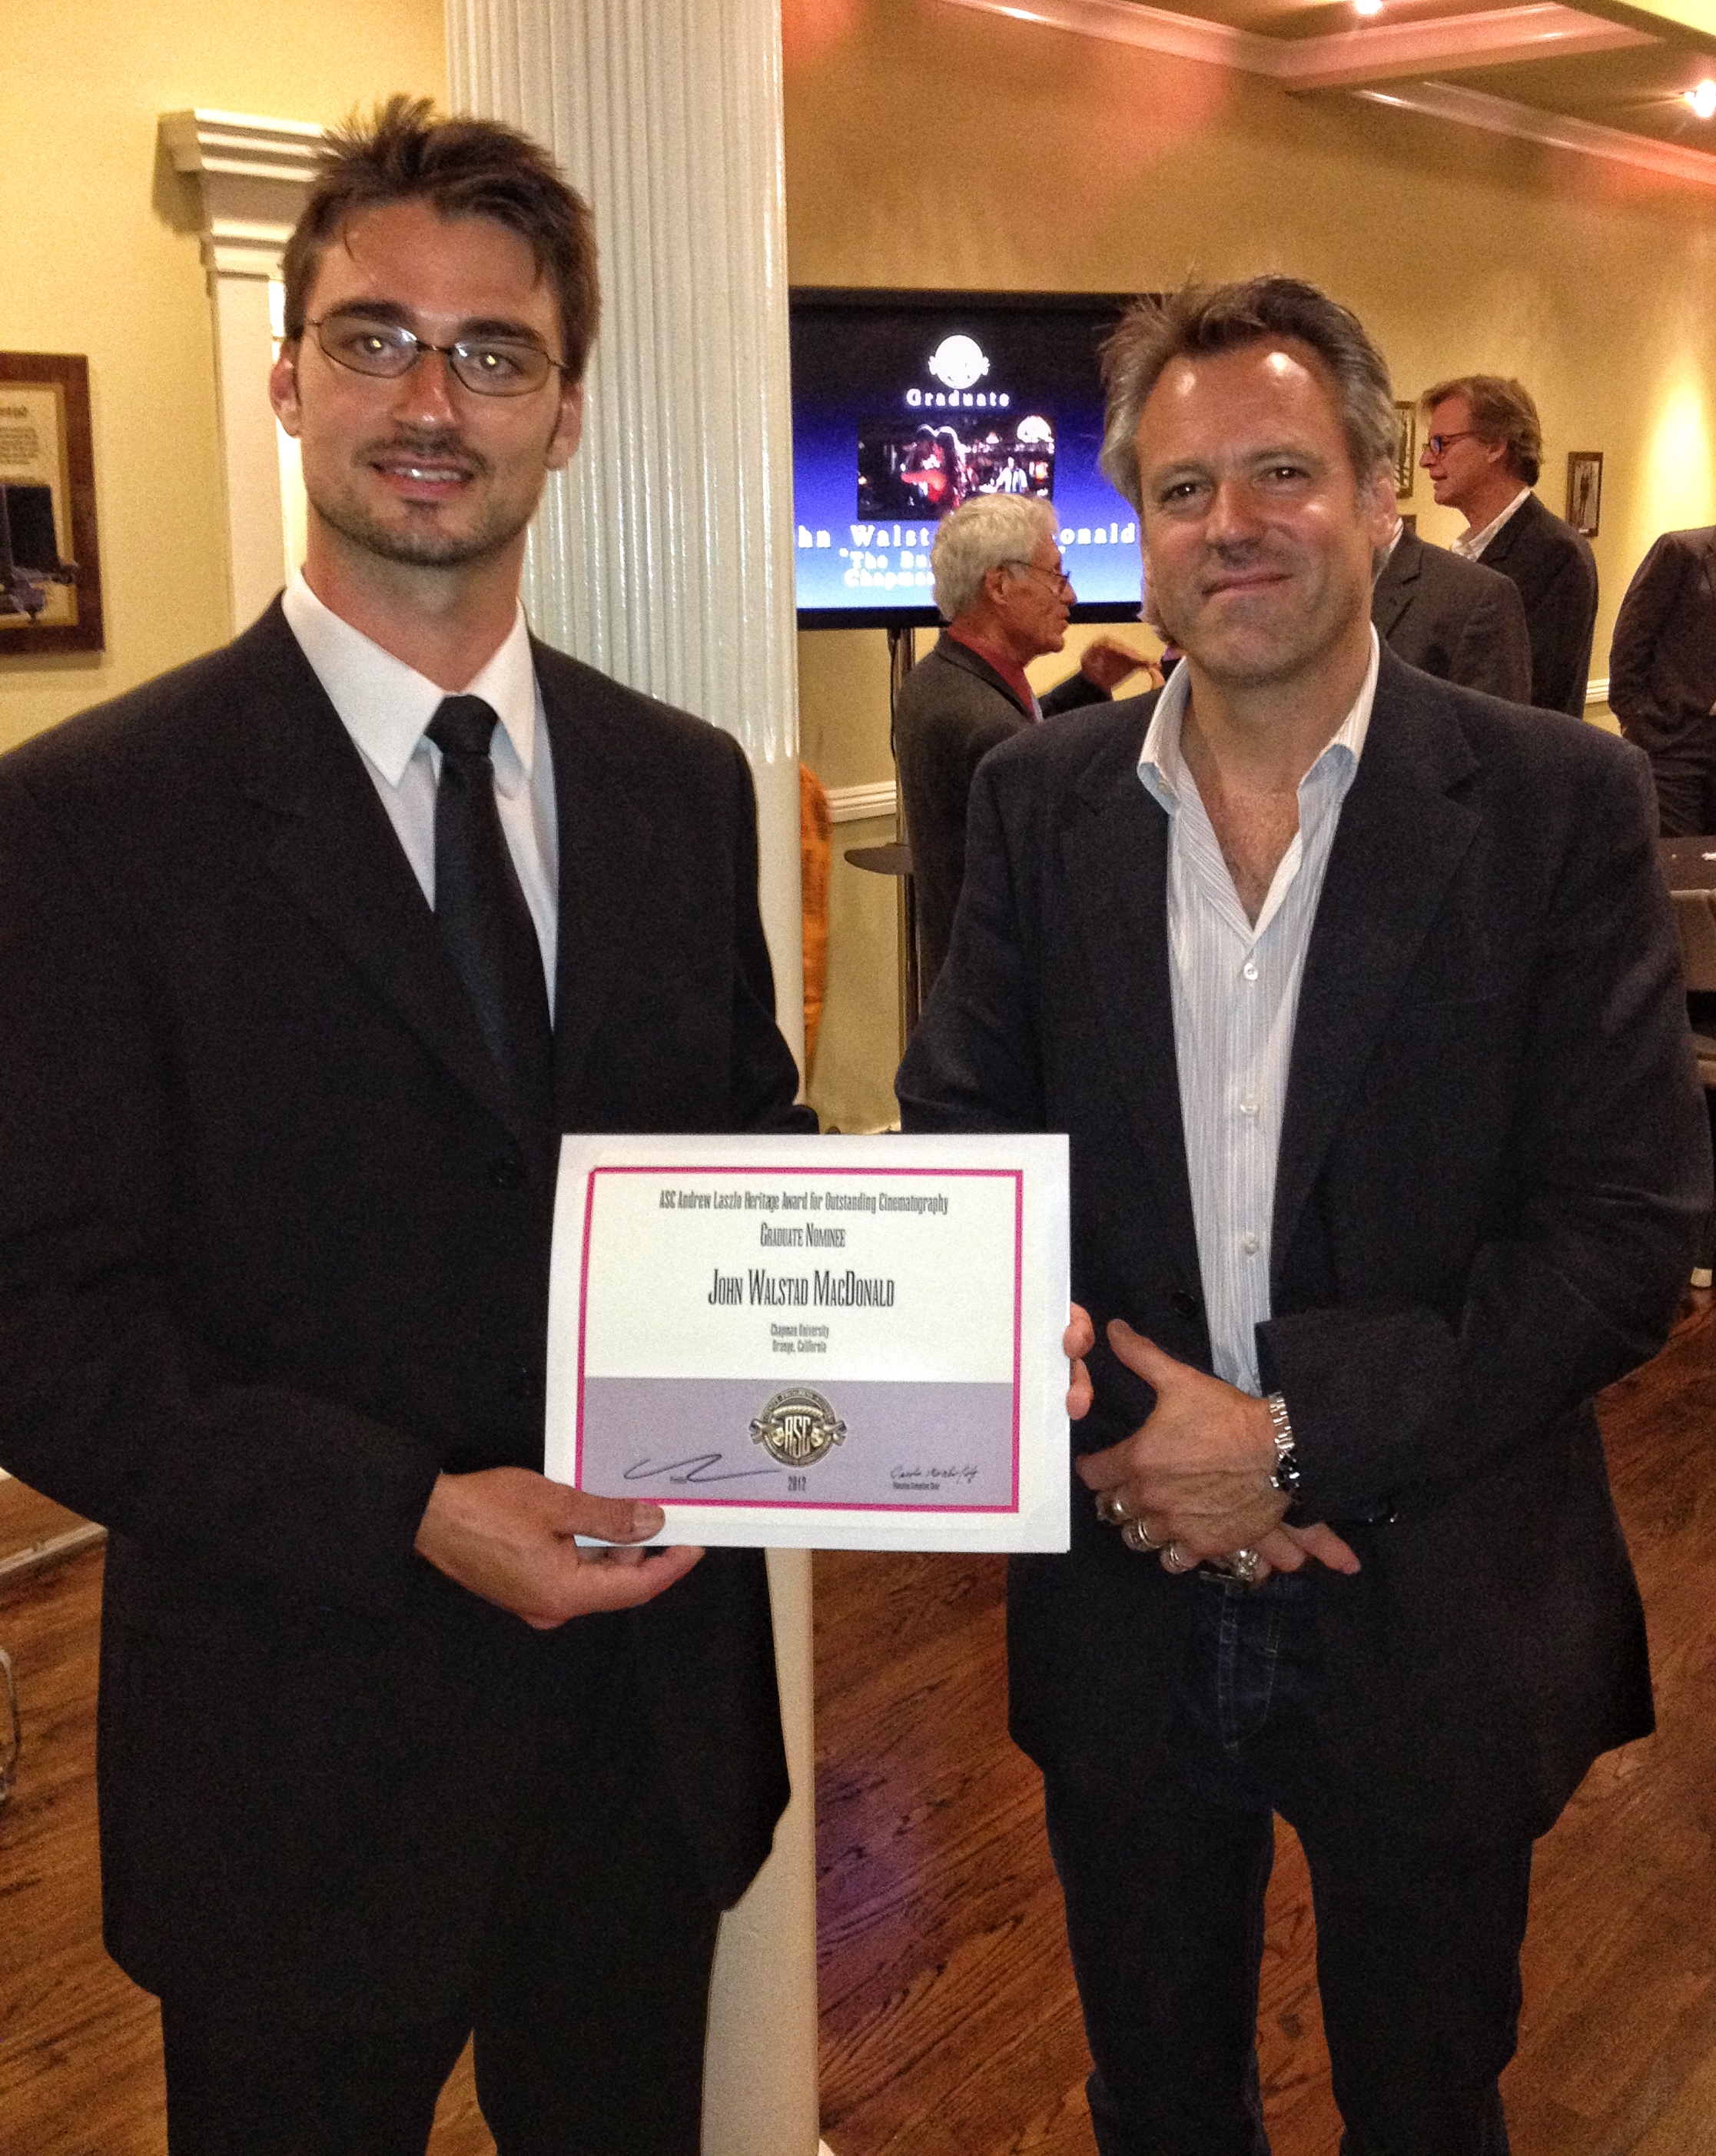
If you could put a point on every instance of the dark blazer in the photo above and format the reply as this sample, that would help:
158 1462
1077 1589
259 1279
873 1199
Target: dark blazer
273 1254
1492 1171
953 708
1454 618
1662 661
1557 576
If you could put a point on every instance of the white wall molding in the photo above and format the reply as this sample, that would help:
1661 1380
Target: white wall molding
1153 29
1500 36
1487 38
1357 60
858 804
251 176
1526 123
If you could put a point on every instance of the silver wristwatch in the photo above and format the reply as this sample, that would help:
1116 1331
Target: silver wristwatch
1286 1477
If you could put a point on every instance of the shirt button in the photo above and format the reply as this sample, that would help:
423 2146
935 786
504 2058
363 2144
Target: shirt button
1251 1242
1248 1104
1249 969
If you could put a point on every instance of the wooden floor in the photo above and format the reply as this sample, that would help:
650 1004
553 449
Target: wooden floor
950 2023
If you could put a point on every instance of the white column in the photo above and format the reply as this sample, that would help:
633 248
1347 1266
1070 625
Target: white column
251 174
663 555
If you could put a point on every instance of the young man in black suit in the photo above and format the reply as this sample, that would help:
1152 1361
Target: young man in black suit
309 951
1356 995
1483 449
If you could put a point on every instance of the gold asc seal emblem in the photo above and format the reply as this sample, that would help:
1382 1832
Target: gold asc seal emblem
797 1427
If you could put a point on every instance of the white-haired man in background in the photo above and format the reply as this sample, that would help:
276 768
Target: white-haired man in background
1002 590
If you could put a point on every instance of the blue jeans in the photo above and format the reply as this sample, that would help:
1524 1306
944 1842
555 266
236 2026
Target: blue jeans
1163 1871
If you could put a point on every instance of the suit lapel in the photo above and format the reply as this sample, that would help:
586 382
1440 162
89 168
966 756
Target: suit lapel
1516 537
335 853
1400 840
605 840
1116 860
973 663
1394 587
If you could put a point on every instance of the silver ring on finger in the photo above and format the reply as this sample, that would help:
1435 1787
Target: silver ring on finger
1136 1536
1175 1560
1111 1509
1245 1566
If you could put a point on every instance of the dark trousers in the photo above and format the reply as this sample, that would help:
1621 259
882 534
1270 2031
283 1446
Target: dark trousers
588 2011
1164 1871
1685 773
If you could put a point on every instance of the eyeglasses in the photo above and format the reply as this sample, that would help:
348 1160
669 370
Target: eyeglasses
488 367
1436 446
1057 576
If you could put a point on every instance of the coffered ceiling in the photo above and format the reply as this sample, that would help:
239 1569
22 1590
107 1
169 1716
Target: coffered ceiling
1608 79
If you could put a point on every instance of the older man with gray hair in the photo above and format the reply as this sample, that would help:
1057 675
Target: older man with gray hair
1001 590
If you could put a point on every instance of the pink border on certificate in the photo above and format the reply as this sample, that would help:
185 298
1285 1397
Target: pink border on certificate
874 1174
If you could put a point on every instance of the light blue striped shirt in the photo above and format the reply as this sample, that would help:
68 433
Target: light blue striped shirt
1236 989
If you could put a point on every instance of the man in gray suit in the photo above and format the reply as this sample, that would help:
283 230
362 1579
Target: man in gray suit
1452 619
1662 675
1006 599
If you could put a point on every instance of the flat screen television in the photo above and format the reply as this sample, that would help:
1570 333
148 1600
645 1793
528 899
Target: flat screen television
904 403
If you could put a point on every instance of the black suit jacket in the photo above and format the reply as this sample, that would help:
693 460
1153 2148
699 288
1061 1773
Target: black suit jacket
953 708
1492 1171
1662 662
1454 618
272 1255
1557 576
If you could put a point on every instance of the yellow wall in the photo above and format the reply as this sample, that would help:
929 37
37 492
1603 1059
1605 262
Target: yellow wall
930 145
101 257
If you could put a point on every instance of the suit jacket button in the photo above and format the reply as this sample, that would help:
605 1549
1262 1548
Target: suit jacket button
1185 1303
506 1174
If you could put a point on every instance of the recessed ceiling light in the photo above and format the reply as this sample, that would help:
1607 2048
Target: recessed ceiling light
1702 99
1367 7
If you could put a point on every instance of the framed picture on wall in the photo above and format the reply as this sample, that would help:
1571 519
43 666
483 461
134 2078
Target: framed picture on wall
1585 490
50 572
1405 450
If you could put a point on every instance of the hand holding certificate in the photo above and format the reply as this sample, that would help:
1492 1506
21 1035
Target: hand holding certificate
836 1343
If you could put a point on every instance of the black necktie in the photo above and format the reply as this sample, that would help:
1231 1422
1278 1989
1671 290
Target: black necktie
481 906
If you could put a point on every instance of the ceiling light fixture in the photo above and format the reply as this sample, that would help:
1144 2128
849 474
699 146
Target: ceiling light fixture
1367 7
1702 99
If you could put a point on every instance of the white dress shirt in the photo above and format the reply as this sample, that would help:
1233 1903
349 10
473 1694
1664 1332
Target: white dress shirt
1235 988
1470 545
384 704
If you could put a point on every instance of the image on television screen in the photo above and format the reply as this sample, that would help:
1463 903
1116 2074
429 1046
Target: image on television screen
924 471
906 403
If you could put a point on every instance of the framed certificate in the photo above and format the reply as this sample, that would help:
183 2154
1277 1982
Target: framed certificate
50 578
847 1343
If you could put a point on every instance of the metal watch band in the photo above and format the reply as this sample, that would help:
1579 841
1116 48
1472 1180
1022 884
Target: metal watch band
1286 1477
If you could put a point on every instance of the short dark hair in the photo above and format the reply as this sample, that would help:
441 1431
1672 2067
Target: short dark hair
1213 318
1502 411
461 168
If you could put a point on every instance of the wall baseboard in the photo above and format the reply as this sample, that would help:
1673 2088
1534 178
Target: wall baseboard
858 804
